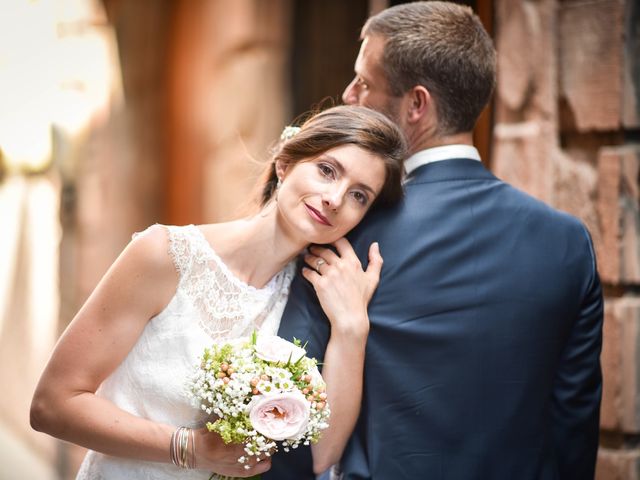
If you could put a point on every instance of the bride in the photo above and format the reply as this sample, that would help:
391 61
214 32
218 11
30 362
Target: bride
115 382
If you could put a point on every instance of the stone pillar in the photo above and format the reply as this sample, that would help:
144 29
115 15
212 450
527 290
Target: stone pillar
228 102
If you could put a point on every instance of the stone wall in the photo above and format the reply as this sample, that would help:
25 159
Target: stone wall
568 132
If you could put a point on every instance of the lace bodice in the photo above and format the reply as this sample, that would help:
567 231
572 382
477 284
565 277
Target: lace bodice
210 304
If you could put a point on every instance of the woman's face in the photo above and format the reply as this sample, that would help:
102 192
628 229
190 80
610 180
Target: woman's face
323 198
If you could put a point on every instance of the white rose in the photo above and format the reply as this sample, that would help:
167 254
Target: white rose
272 348
281 416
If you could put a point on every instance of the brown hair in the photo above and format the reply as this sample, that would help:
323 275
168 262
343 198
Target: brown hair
344 125
443 47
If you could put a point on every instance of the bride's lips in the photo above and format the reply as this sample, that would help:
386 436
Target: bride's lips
316 215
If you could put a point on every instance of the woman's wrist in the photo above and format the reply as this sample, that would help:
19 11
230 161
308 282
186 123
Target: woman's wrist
351 328
182 448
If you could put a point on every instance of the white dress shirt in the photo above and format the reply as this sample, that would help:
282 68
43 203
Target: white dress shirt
437 154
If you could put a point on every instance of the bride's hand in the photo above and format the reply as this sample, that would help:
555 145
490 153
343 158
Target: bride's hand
214 455
343 287
344 290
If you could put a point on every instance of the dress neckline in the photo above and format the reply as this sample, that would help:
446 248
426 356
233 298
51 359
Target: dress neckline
268 288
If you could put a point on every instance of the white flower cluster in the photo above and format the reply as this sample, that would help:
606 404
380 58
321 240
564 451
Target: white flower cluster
289 132
258 397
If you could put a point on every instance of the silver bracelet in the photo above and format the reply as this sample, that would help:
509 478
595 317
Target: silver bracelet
182 449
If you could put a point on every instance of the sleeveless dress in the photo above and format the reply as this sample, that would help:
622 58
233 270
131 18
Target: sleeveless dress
210 305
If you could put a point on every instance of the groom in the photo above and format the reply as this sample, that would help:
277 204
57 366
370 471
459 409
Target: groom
483 354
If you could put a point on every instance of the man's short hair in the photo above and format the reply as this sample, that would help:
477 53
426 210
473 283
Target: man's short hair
443 47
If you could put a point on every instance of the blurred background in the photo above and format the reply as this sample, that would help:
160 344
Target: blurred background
117 114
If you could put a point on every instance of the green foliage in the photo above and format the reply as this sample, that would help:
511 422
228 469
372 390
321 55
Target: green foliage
211 360
232 429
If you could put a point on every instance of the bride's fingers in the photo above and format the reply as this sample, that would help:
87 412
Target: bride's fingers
345 250
375 262
315 262
260 465
329 255
311 274
251 467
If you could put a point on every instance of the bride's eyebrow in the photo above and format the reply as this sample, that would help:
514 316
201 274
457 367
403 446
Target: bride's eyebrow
336 163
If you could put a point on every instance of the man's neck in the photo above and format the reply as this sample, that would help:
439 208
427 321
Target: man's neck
419 144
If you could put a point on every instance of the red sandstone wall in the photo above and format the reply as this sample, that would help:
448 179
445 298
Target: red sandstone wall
567 131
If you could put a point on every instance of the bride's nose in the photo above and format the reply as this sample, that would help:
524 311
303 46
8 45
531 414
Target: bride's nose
333 197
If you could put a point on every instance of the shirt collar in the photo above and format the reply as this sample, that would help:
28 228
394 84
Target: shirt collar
437 154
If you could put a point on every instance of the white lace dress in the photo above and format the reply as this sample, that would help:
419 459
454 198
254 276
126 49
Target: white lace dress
210 304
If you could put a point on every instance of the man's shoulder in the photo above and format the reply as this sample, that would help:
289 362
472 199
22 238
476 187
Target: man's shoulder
494 197
532 205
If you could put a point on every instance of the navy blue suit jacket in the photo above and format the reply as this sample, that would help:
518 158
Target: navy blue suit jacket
482 360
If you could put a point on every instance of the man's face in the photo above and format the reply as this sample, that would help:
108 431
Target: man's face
369 87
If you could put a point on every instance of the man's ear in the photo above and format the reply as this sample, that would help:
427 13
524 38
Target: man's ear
420 103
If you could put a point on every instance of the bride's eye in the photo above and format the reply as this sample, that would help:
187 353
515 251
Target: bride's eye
360 197
326 170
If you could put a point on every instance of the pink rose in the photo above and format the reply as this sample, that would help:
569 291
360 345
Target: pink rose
280 416
275 349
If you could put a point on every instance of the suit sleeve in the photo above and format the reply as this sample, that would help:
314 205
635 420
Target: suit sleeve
578 385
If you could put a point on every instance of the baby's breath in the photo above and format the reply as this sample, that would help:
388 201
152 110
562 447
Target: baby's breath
229 375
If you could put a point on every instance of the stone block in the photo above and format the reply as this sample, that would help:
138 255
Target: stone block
618 464
618 247
527 82
620 410
523 156
525 131
631 74
592 63
513 38
575 185
611 360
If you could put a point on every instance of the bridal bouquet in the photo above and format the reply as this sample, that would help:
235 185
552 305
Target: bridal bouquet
263 390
